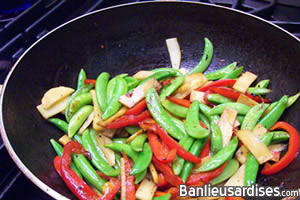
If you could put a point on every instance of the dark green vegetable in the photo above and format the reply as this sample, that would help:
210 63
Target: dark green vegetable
240 118
78 119
114 105
205 109
132 82
271 117
231 167
204 119
179 124
123 147
195 150
132 129
100 90
78 102
160 115
234 74
175 109
171 88
93 135
164 197
159 75
220 73
219 158
111 86
216 138
119 140
263 83
143 160
117 161
252 164
138 142
97 160
293 99
205 59
258 91
59 151
252 116
242 109
59 123
140 176
218 99
81 78
166 69
280 136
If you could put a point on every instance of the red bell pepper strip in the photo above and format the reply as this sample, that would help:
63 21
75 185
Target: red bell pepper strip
127 120
172 144
205 150
258 99
205 177
57 164
79 188
166 82
130 186
90 81
167 172
182 102
137 109
110 189
103 175
174 191
290 155
203 125
161 180
159 193
218 83
234 198
160 149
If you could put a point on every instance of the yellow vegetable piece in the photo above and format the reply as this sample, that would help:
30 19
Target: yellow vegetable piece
64 139
244 81
246 100
97 119
197 96
153 173
143 74
108 153
115 116
57 108
174 52
242 154
54 95
226 123
238 178
146 190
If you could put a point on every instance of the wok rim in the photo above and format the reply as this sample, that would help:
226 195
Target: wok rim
51 192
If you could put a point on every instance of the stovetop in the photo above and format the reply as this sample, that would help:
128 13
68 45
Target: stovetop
21 25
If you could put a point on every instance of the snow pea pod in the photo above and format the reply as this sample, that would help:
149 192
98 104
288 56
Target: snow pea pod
293 99
123 147
175 109
114 105
93 136
161 116
216 138
231 167
192 123
81 78
242 109
166 69
205 59
258 91
271 117
159 75
100 89
179 124
178 162
205 109
111 87
252 116
132 82
220 73
252 164
195 150
263 83
77 103
240 118
78 119
234 74
59 151
280 136
171 88
119 140
143 160
97 160
219 158
140 176
59 123
164 197
218 99
132 129
138 142
205 120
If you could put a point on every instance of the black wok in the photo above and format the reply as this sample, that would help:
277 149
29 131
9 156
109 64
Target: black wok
129 38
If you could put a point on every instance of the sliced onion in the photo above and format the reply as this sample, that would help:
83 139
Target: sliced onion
174 52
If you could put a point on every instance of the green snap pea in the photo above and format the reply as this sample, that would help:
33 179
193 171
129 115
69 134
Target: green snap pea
114 105
124 147
219 158
93 135
263 83
252 116
117 161
178 162
77 138
258 91
231 167
100 90
77 103
164 197
138 142
216 138
195 150
271 117
240 118
204 119
293 99
59 123
252 164
111 87
175 109
159 75
143 160
84 89
59 151
166 69
280 136
81 78
132 129
234 74
218 99
192 123
97 160
88 172
171 88
119 140
205 109
161 116
206 57
242 109
132 82
220 73
78 119
179 124
140 176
